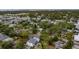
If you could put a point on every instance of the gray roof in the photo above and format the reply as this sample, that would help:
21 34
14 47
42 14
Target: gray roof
76 37
59 44
3 37
34 40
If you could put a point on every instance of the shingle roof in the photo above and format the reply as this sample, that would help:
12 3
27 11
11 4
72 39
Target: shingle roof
34 40
2 36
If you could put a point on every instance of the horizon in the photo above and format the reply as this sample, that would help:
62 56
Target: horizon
39 9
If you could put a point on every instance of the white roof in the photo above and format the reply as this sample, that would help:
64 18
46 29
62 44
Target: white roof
76 47
76 37
8 39
29 44
32 41
77 26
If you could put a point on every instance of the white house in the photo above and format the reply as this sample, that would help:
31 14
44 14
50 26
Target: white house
33 40
76 37
76 42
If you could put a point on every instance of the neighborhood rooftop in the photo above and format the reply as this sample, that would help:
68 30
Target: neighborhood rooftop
2 36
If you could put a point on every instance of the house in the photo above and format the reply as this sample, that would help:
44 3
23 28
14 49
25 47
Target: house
28 18
76 41
5 38
76 37
33 40
72 20
12 25
77 24
76 31
40 29
38 17
60 44
0 20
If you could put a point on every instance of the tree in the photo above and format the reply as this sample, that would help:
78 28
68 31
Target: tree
20 44
70 26
54 39
34 29
69 35
44 24
44 44
7 45
24 34
44 39
44 36
68 45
